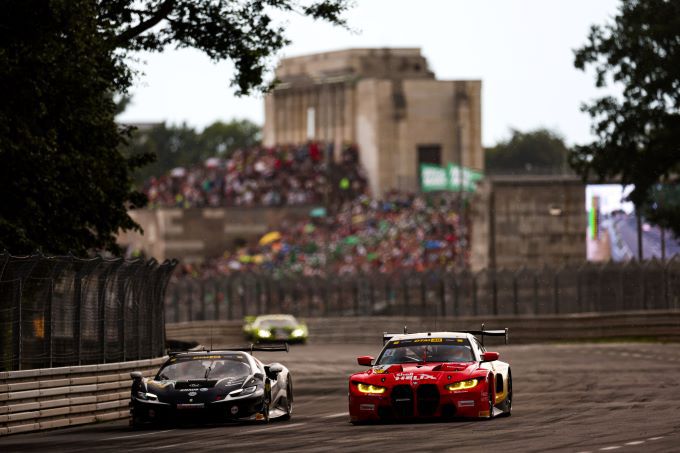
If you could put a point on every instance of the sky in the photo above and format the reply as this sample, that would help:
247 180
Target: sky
522 50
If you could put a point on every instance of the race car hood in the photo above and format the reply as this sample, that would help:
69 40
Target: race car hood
420 373
195 390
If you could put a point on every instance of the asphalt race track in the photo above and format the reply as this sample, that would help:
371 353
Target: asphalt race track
572 398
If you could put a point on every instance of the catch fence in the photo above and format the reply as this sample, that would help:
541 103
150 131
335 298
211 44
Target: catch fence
62 311
590 287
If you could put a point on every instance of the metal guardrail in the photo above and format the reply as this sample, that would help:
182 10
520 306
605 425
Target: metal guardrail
590 287
32 400
60 310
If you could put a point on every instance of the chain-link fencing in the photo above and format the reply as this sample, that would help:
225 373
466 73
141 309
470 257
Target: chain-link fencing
590 287
61 311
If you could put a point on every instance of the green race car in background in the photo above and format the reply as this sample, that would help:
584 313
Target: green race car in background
274 328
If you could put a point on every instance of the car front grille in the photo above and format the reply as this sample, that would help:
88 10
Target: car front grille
428 399
402 401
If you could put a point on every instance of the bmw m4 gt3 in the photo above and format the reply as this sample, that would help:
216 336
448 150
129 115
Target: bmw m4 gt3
431 375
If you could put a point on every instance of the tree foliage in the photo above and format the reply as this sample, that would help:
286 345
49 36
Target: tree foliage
638 133
539 151
66 184
182 146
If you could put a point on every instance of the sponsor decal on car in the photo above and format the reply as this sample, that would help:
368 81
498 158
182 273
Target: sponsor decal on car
414 377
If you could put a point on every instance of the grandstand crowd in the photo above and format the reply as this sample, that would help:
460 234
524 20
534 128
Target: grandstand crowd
283 175
353 234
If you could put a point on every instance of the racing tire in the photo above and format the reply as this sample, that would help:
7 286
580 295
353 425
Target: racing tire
265 409
507 404
289 401
492 398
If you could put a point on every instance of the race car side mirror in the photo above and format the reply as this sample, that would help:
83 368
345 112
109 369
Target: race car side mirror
273 370
490 356
365 360
136 376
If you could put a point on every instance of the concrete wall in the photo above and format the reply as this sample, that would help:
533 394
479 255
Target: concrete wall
192 235
656 325
529 221
34 400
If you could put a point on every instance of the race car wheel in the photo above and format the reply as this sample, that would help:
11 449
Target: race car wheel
289 401
492 398
507 407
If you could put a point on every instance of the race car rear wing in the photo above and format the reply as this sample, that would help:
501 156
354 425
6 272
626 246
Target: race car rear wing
388 336
489 333
283 346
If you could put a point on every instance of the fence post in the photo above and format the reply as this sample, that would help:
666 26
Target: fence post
268 297
216 298
423 296
190 301
535 292
48 323
515 293
355 296
456 297
229 298
442 296
19 344
556 291
579 295
494 291
201 294
242 297
474 295
101 301
78 301
371 294
258 295
405 298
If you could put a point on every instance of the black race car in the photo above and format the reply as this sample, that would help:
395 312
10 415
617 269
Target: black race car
213 385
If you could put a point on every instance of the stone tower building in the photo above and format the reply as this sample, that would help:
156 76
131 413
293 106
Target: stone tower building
386 101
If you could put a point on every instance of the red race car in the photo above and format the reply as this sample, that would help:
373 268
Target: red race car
432 375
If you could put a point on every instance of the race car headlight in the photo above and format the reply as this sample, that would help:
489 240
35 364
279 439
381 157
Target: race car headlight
264 333
147 396
243 391
371 389
462 385
297 333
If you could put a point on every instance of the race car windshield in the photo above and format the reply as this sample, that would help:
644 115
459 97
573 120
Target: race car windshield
205 368
273 323
426 350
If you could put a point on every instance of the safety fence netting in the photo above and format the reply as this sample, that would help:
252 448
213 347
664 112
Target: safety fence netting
590 287
62 310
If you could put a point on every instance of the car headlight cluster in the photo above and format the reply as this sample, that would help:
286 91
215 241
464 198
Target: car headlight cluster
243 391
298 333
370 389
462 385
264 333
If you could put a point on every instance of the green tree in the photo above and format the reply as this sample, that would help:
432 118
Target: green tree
65 183
182 146
539 151
221 139
638 132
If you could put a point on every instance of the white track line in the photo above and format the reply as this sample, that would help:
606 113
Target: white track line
241 433
138 435
341 414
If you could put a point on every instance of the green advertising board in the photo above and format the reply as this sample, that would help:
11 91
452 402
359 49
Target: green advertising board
452 178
